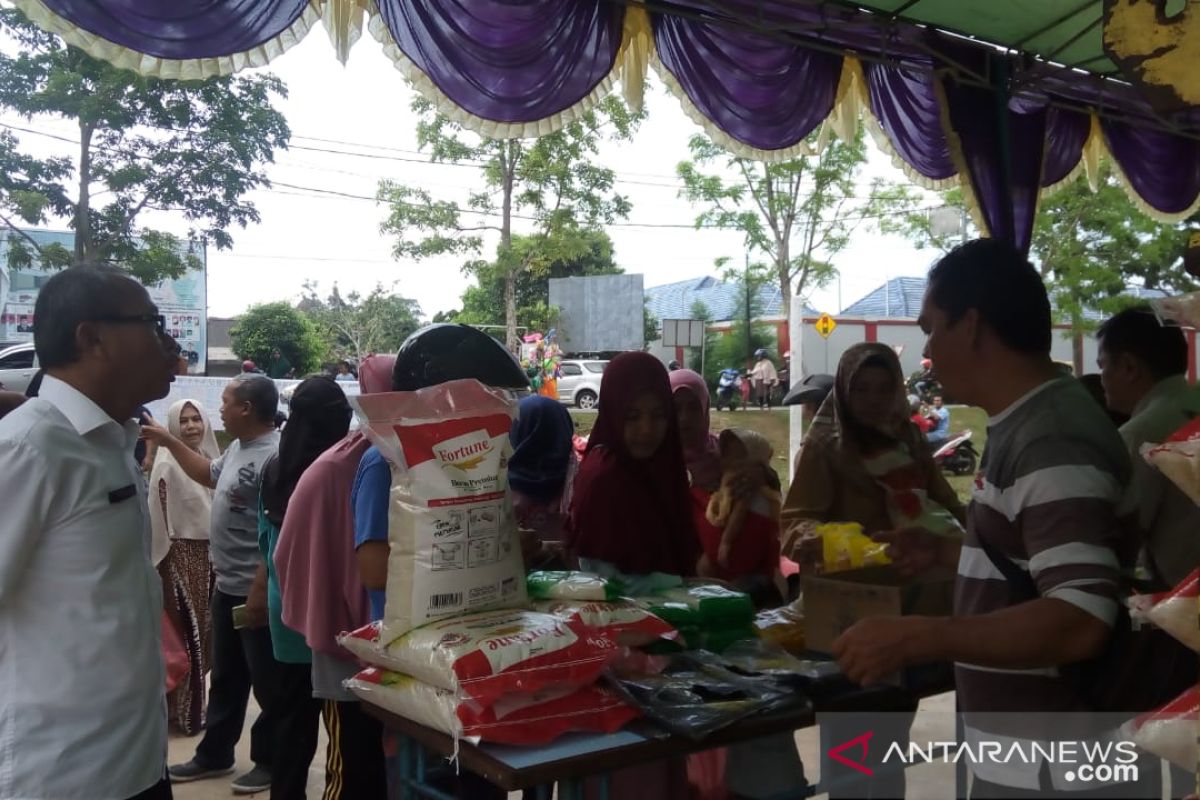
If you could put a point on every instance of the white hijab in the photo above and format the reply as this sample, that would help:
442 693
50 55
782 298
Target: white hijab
179 507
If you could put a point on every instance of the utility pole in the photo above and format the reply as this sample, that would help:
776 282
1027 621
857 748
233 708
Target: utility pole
749 334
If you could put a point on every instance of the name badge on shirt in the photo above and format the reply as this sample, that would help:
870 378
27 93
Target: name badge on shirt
124 493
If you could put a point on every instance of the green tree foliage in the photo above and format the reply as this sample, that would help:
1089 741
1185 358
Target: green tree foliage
793 213
191 147
735 348
355 326
549 185
270 325
483 303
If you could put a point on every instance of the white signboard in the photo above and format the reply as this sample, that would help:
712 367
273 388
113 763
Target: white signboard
683 333
183 301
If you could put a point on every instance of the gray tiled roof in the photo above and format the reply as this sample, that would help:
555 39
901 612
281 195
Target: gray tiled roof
675 300
900 298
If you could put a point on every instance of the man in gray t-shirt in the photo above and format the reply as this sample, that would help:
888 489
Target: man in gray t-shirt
233 541
242 657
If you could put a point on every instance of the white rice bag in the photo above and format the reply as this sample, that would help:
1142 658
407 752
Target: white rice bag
1177 612
454 546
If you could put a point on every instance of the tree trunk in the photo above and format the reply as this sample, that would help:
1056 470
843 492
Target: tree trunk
510 264
1077 351
783 265
83 208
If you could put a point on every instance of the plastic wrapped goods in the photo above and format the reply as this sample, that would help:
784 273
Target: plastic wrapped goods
517 719
575 586
1170 732
1179 458
484 656
454 545
1177 612
622 621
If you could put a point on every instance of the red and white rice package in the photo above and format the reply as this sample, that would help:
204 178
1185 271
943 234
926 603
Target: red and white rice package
623 621
519 719
1179 458
1177 612
1170 732
482 657
454 545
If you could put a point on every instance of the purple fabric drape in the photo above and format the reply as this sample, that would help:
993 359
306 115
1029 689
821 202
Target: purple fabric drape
505 61
1066 134
1008 201
182 29
1162 168
761 91
906 105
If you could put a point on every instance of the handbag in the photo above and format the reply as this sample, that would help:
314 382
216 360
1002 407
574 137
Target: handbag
175 655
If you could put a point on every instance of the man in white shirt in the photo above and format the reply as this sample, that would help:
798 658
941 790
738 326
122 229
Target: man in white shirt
1143 368
82 704
243 657
765 377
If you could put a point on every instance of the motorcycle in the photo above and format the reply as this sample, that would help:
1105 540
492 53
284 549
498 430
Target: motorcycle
924 386
729 388
957 456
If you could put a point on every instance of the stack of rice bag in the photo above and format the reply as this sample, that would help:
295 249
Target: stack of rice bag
1170 732
458 649
515 676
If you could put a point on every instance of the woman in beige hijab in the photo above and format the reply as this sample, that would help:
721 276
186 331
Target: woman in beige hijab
862 434
179 516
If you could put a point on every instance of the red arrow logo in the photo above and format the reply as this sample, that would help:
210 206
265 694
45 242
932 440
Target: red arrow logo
858 741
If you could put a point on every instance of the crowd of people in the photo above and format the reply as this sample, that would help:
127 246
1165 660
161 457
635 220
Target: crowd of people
260 556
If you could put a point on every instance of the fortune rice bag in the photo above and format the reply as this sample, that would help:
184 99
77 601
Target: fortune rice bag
1177 612
517 719
484 656
454 546
623 621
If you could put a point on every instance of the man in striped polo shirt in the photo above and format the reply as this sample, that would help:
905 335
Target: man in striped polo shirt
1044 506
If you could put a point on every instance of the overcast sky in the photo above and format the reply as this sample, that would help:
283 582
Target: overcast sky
364 108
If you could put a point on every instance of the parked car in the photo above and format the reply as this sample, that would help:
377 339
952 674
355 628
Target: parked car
579 382
18 364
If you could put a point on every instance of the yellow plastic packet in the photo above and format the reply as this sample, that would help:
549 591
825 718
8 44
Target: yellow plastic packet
845 546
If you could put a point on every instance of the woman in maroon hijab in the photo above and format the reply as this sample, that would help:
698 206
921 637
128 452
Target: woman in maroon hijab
631 506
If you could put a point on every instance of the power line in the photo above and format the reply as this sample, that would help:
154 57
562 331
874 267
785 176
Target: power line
485 214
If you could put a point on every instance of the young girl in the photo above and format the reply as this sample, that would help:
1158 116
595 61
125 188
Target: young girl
540 472
631 507
631 510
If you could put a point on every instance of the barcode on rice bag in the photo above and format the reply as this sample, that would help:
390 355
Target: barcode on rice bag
448 600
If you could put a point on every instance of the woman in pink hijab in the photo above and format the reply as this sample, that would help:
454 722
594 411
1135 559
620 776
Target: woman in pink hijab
323 595
700 452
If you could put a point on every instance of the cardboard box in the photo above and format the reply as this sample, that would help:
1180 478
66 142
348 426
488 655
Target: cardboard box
835 601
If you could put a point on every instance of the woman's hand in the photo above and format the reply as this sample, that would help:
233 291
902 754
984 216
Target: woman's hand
154 433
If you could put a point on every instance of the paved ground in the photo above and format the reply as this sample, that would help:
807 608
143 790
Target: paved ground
934 721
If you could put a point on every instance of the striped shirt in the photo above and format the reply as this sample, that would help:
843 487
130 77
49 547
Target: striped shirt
1046 496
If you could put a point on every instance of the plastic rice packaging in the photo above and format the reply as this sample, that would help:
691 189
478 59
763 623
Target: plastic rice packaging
844 546
518 719
783 627
1177 612
714 605
562 585
1179 458
623 621
1170 732
485 656
454 545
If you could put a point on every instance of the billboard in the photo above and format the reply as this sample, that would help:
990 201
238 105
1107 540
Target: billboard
183 301
599 313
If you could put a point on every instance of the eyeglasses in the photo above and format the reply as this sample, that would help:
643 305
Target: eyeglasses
158 320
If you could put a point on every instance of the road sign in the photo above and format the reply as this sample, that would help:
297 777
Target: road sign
825 325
